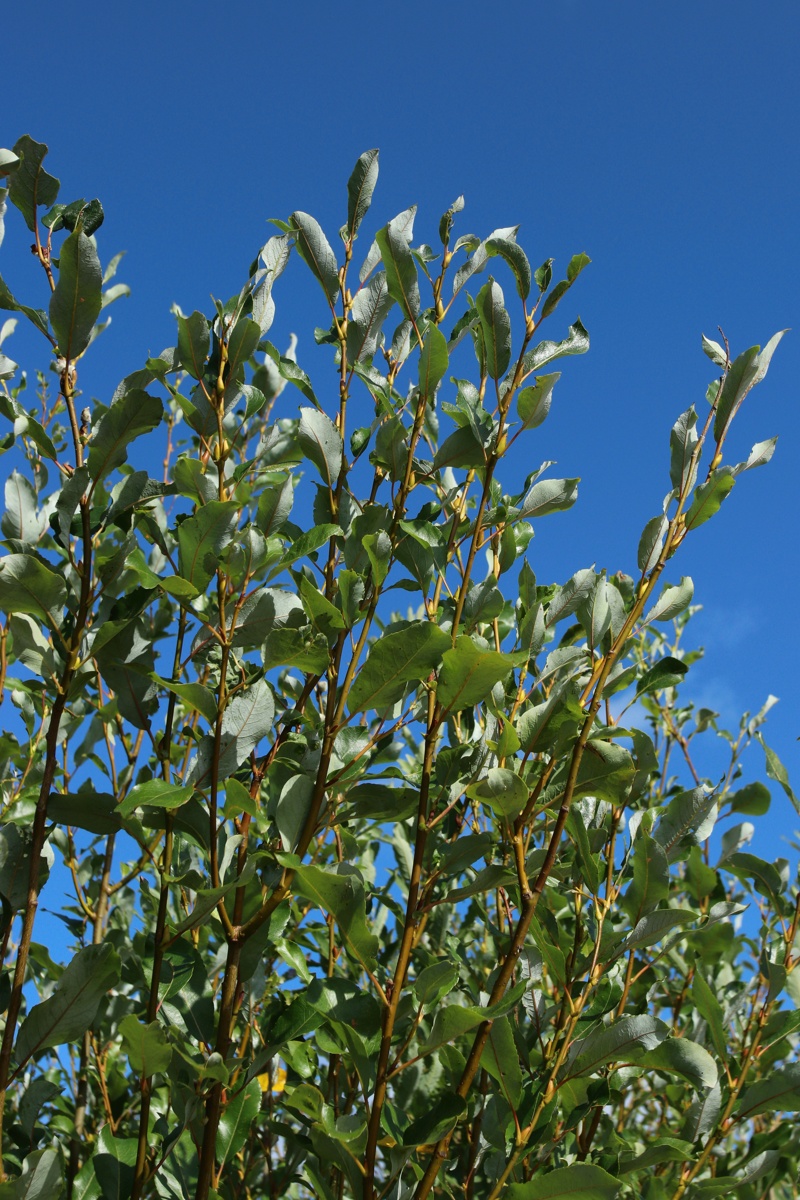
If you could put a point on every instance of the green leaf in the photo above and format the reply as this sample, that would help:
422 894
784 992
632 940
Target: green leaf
274 507
672 601
300 648
27 586
341 893
134 414
501 1060
533 403
779 1092
583 1181
680 1056
202 537
687 821
194 341
437 1122
777 771
307 543
360 187
703 1115
433 360
193 695
468 674
292 809
446 222
516 258
549 496
650 884
709 496
764 876
666 673
242 342
394 661
321 442
450 1023
623 1041
75 304
41 1178
682 442
156 793
146 1046
576 342
72 1008
15 862
496 326
114 1161
753 800
434 982
576 265
502 790
399 264
652 928
29 185
371 305
650 543
740 379
248 718
236 1121
324 615
21 521
568 598
93 811
315 250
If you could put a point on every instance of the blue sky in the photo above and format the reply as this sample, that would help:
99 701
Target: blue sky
660 139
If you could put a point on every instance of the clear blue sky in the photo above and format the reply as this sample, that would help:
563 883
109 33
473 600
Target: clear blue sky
661 139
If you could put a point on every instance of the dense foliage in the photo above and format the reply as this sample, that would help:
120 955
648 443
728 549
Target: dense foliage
392 864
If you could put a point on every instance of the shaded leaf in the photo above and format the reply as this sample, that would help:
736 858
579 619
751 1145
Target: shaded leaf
583 1181
146 1046
236 1120
341 893
75 304
71 1009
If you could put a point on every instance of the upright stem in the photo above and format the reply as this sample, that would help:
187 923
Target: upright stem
38 832
404 954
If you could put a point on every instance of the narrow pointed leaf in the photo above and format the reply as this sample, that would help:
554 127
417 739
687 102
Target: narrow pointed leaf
496 326
315 250
360 187
236 1121
399 264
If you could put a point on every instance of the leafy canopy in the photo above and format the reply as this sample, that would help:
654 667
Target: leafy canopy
392 864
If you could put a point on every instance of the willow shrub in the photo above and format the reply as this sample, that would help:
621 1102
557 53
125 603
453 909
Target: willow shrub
366 903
